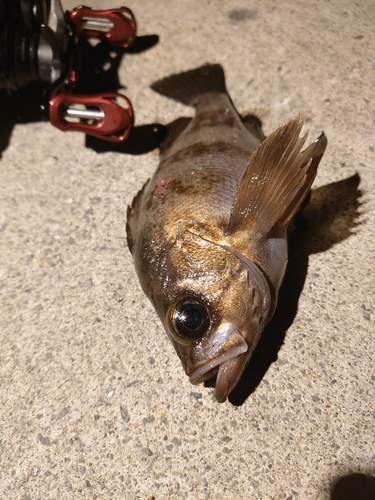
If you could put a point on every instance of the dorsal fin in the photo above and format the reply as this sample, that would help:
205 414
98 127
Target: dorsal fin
188 86
132 215
175 128
276 180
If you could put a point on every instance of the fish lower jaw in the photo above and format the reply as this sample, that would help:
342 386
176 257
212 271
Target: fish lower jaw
209 377
221 369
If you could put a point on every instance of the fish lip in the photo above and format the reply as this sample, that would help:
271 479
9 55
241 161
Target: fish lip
228 376
237 345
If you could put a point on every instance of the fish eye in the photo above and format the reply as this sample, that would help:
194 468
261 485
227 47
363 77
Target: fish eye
189 319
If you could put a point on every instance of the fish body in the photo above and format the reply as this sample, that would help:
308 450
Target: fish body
208 233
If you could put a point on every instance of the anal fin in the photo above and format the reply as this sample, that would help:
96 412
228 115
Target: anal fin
175 129
276 180
254 126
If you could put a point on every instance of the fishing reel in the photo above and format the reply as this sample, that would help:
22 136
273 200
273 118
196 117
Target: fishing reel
40 44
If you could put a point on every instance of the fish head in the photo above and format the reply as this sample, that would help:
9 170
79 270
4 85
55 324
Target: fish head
217 306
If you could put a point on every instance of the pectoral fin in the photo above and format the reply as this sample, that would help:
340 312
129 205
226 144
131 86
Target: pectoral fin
132 218
276 180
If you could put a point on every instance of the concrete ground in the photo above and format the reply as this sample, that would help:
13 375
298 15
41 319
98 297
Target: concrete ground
93 400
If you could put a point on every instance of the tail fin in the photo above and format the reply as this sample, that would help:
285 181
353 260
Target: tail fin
187 87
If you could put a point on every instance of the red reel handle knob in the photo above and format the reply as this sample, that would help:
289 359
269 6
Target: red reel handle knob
97 115
116 25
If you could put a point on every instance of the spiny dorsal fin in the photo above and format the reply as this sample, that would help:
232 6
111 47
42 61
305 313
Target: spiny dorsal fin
132 217
175 128
188 86
276 180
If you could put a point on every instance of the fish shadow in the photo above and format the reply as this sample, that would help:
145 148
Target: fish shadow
329 218
356 486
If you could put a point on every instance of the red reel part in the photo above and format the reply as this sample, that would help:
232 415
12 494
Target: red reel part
116 25
97 115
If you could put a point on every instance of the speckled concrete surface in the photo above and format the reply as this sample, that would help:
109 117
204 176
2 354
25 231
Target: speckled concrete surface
93 400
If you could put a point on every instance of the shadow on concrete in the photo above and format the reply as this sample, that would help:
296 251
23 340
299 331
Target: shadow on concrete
21 107
100 64
356 486
99 73
142 139
329 217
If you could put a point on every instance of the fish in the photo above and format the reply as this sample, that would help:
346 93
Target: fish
208 232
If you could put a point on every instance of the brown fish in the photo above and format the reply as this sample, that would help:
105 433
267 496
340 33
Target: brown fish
208 232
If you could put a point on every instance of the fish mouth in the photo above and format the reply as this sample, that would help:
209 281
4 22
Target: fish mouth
227 366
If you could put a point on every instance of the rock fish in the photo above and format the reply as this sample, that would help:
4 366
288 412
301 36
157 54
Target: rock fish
208 233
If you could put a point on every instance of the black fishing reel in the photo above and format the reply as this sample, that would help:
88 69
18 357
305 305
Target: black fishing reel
29 49
40 45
